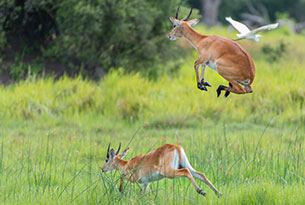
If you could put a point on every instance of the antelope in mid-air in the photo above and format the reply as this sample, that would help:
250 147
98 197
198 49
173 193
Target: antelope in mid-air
168 161
221 54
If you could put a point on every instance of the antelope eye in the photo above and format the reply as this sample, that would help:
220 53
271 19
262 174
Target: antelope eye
174 26
107 160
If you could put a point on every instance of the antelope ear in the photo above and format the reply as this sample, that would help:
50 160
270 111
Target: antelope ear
124 153
193 22
174 21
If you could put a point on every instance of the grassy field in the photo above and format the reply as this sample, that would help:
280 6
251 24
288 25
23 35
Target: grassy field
54 134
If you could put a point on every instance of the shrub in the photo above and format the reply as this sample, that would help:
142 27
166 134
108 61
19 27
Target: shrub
275 53
94 33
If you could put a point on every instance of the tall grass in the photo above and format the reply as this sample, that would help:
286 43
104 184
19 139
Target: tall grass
278 93
60 162
54 134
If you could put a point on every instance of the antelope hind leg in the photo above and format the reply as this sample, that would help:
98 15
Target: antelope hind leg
184 172
220 88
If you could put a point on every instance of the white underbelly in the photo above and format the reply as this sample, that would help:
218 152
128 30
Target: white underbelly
212 65
156 176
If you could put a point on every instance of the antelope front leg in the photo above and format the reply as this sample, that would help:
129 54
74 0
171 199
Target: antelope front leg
121 184
144 187
199 84
202 77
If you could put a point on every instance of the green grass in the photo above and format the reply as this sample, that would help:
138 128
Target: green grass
58 160
54 134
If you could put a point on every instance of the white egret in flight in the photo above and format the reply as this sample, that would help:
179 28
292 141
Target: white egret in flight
245 32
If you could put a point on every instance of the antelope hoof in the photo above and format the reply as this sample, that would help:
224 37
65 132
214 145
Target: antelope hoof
219 89
201 192
205 83
227 93
199 86
218 194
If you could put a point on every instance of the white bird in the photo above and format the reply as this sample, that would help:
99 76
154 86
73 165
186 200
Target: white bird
245 32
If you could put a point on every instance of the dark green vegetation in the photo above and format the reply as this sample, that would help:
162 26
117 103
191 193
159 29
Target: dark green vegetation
93 37
82 36
271 9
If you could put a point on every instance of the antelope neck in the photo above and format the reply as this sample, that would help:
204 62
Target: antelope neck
121 166
192 36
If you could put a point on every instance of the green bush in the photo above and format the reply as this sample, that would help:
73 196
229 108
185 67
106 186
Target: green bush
95 33
275 53
2 40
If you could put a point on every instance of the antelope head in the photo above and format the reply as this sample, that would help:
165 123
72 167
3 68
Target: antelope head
113 159
179 25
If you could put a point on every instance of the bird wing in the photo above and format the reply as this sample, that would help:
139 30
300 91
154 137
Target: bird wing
266 27
242 28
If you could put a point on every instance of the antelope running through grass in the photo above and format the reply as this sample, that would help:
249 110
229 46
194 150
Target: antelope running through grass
168 161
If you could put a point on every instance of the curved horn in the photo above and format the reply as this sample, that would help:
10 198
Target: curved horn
186 18
108 150
117 152
177 12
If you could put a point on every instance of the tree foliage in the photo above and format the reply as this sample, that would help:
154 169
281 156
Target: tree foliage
92 33
234 8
